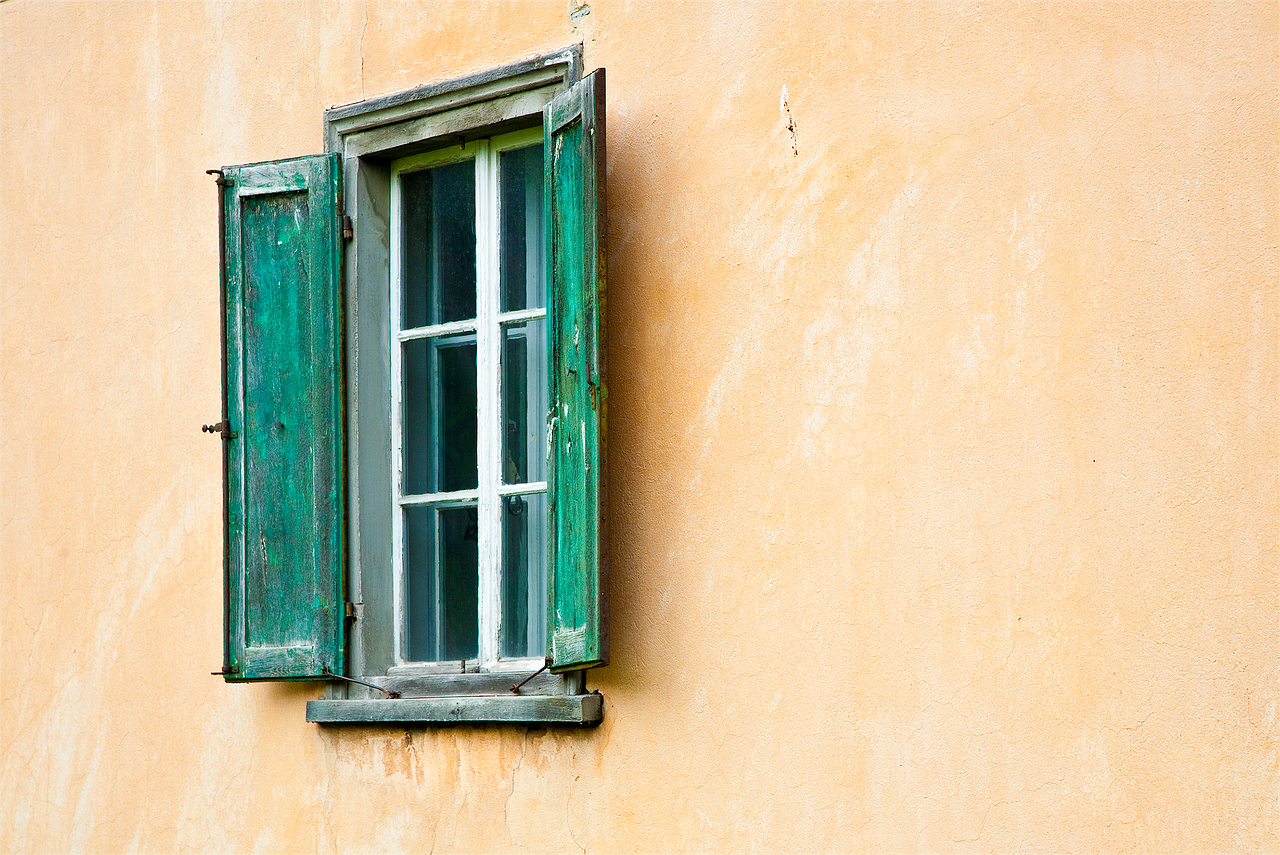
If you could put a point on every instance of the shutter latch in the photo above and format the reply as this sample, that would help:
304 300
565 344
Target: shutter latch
223 427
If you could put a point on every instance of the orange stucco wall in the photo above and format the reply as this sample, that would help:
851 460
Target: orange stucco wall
944 433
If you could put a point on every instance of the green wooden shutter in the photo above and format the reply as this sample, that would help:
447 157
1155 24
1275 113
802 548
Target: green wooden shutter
283 436
573 139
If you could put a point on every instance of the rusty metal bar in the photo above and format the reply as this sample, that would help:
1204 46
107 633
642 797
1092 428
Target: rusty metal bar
545 665
390 694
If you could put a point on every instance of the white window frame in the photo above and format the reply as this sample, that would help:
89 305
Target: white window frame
486 327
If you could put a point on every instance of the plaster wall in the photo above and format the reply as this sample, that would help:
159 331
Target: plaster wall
944 433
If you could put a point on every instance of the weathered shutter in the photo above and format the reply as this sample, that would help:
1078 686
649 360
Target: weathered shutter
573 129
283 429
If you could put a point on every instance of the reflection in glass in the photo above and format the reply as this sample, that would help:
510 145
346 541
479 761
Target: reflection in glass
438 241
442 564
440 415
524 575
524 402
521 262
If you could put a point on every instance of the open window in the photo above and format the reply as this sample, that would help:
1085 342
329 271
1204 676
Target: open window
427 530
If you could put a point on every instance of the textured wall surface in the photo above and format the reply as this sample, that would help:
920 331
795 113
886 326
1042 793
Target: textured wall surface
945 434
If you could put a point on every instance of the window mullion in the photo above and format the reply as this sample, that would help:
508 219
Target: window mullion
488 339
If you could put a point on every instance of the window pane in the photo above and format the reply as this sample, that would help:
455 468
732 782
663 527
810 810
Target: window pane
522 263
440 415
438 240
524 402
441 583
524 575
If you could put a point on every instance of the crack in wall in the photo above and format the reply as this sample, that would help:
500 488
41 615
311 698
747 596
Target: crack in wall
785 107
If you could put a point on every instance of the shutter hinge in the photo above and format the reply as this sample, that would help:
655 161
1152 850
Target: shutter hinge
350 612
348 230
222 180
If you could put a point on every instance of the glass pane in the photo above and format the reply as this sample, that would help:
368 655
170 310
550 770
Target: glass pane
440 415
442 576
524 575
524 402
438 241
522 263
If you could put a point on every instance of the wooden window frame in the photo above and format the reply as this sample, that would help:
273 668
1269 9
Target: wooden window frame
369 136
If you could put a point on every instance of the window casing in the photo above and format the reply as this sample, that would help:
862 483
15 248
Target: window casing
383 145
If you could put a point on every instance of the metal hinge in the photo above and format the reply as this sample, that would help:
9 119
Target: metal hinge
222 180
348 230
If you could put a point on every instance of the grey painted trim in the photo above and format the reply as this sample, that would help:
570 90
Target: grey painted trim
538 709
562 68
368 349
508 111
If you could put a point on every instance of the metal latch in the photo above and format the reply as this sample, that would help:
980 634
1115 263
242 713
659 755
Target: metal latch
223 427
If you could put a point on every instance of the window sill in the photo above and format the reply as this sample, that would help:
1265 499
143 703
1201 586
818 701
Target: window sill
518 709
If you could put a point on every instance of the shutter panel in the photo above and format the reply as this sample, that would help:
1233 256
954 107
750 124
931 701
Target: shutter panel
573 129
283 453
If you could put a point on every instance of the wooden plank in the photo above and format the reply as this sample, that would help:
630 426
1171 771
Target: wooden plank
471 683
574 141
543 709
283 662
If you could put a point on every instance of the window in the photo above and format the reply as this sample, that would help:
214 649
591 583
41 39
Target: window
414 425
469 403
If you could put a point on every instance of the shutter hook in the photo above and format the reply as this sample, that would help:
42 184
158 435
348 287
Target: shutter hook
545 665
223 427
325 670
